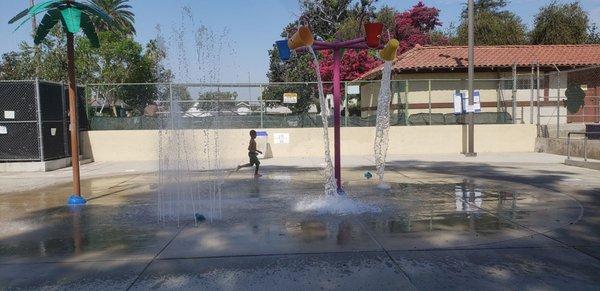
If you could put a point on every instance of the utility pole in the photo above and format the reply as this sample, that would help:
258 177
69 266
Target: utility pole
471 74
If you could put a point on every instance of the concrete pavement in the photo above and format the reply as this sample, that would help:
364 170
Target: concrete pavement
511 221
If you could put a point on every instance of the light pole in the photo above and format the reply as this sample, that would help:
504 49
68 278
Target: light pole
471 131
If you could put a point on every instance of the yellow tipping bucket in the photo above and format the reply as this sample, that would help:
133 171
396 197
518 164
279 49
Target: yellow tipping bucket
388 53
302 37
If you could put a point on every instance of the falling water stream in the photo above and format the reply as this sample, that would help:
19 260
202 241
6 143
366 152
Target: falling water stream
330 183
191 175
331 202
383 124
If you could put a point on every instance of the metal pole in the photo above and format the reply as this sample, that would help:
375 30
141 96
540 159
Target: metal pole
514 94
538 95
39 119
337 56
531 97
429 90
558 104
65 127
346 104
171 104
568 146
585 147
471 75
406 96
262 108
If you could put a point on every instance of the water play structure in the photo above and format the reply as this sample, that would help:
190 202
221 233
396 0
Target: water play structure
303 39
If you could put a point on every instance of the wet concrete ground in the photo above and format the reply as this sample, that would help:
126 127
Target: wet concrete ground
443 225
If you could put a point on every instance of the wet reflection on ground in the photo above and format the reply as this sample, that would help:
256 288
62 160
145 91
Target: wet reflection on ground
257 216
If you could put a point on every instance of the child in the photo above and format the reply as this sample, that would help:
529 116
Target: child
252 154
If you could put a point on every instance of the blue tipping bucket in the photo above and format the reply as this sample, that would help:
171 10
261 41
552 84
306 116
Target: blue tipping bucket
284 49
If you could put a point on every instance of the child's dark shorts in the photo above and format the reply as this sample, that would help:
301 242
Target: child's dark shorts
253 159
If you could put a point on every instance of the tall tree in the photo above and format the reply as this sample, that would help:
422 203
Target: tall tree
558 23
493 25
418 26
593 34
120 11
328 20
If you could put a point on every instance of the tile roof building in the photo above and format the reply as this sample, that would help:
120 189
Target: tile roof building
445 58
425 78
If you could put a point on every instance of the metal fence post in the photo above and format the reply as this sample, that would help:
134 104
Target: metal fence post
262 108
514 93
429 93
406 96
538 94
585 147
346 104
86 100
558 104
171 108
531 97
568 146
64 116
39 119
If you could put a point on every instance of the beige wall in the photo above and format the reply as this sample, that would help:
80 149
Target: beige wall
142 145
443 86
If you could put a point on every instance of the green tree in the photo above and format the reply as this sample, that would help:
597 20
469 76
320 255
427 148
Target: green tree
120 12
493 25
217 100
119 59
494 6
328 20
558 23
593 34
123 60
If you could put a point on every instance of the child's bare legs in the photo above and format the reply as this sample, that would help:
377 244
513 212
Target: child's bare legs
253 162
256 174
243 166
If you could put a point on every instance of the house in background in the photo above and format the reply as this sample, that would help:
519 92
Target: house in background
425 79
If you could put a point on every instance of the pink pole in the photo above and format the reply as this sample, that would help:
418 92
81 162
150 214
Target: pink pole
337 57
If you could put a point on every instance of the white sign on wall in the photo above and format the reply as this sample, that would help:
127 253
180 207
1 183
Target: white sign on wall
290 98
9 115
353 89
461 102
281 138
3 130
457 98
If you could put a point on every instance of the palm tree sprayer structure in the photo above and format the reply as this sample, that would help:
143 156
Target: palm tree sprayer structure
73 16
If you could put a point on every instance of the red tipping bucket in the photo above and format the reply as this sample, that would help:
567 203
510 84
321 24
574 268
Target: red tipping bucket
373 32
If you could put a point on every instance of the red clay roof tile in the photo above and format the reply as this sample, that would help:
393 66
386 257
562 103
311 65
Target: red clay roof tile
439 57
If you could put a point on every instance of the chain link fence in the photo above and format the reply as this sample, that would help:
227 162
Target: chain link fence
567 100
262 105
34 120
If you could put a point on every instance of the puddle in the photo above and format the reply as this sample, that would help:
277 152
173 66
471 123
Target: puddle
340 205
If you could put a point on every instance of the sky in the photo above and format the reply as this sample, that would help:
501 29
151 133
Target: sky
249 28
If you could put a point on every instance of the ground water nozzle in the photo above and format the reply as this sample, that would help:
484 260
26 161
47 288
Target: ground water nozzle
76 200
388 53
199 217
303 37
373 34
